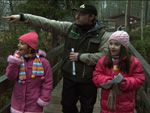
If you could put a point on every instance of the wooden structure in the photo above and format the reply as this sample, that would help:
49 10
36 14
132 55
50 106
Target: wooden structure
120 19
110 24
143 94
55 103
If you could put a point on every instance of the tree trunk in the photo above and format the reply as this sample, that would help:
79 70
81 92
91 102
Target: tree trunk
126 13
67 4
99 7
119 7
11 6
73 2
55 37
2 7
142 19
11 9
55 43
146 10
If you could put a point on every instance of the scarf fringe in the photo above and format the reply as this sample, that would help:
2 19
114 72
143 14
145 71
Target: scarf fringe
114 92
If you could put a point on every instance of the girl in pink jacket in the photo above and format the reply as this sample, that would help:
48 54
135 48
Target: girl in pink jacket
119 74
32 75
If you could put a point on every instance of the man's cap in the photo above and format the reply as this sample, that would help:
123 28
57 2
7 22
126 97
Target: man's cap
87 9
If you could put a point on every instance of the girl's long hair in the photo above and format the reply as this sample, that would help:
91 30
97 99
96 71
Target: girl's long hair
124 60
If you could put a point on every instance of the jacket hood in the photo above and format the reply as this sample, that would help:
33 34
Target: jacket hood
42 53
90 28
97 26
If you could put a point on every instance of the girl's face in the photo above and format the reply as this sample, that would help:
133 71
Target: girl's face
23 48
114 47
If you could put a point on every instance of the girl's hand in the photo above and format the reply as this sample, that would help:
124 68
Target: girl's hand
17 54
12 18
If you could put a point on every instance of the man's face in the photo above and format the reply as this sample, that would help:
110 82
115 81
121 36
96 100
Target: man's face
83 19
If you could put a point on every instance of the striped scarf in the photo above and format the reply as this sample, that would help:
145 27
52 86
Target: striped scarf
37 68
115 67
115 91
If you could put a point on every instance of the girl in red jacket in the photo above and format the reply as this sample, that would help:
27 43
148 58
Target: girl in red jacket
32 75
119 74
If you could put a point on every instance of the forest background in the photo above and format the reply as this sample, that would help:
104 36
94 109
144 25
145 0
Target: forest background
62 10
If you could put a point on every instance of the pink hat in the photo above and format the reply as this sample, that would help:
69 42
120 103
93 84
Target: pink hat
120 36
31 39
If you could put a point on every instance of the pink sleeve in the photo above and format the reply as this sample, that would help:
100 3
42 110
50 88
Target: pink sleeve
42 103
99 77
47 84
12 59
136 77
12 69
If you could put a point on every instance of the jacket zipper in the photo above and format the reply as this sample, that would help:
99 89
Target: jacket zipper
83 74
84 64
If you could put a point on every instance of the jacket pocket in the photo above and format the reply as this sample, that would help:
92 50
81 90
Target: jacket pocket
71 41
67 67
93 45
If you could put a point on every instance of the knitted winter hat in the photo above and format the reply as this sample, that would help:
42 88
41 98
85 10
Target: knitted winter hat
120 36
31 39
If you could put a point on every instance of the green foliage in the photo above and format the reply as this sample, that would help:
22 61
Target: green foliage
135 35
42 8
142 46
147 32
3 64
45 42
147 49
5 98
9 41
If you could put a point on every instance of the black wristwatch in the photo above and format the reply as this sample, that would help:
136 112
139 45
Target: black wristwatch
78 57
22 18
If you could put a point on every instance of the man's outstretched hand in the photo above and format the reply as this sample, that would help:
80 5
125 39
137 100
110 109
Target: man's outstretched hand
12 18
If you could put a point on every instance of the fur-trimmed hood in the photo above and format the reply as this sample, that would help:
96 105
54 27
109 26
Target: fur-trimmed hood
42 53
13 59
